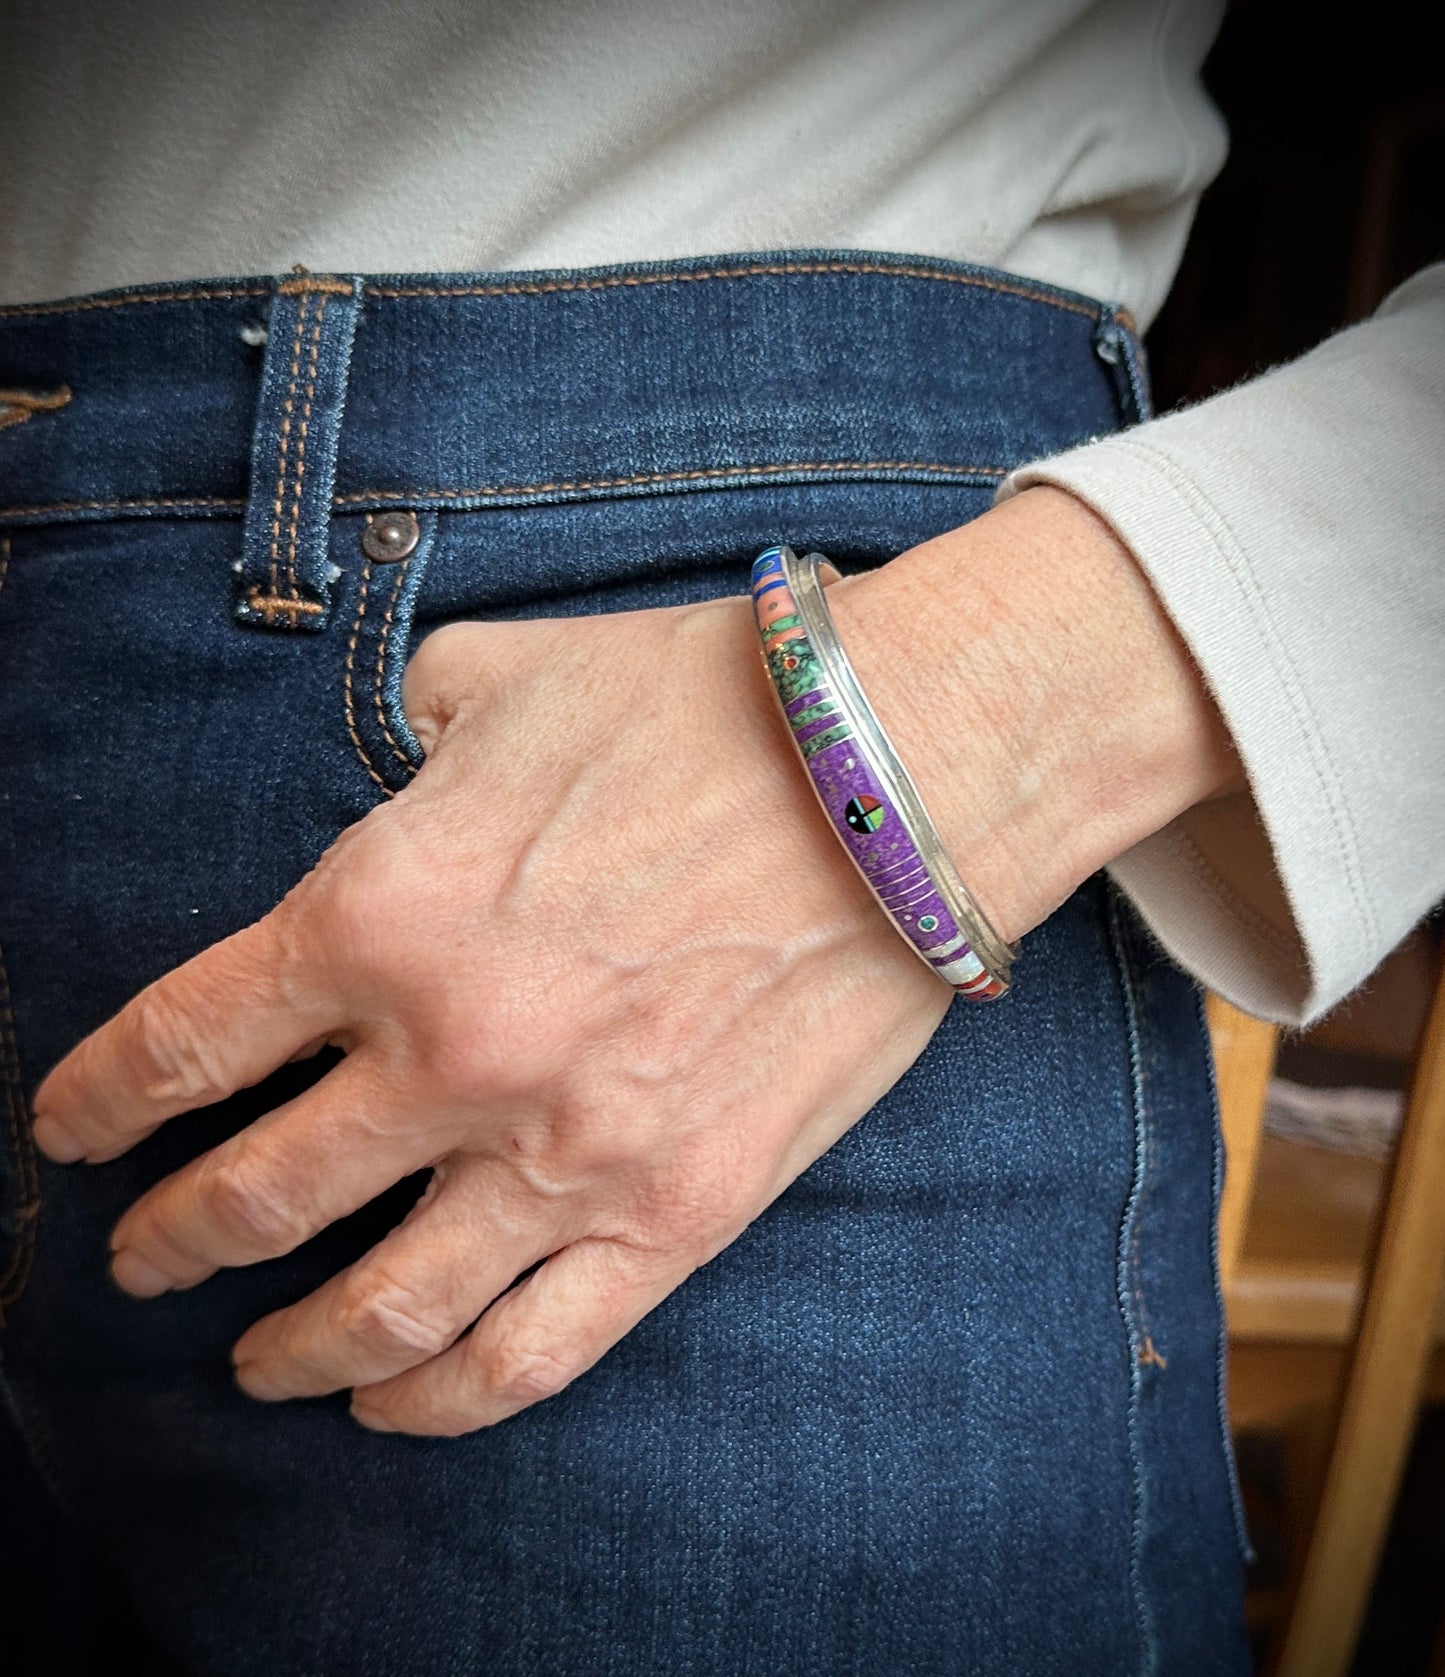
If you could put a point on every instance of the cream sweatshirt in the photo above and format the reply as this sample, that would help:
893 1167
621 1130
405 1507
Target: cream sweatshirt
1294 527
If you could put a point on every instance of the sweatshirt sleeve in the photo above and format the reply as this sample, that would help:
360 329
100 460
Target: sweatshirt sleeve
1294 530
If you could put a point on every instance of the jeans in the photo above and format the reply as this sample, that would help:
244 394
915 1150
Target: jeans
953 1403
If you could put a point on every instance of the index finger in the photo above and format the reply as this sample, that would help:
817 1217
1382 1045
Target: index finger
218 1023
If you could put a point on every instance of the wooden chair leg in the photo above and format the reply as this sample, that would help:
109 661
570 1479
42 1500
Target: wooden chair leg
1382 1389
1244 1051
1436 1667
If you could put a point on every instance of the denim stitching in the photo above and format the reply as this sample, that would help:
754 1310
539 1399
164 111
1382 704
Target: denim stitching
348 687
22 1151
1128 1229
487 492
123 505
1221 1355
315 353
22 1146
15 311
608 282
396 750
682 476
279 606
1147 1354
532 287
18 407
305 283
283 451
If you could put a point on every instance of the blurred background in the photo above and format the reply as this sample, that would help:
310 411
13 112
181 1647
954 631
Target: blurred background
1334 193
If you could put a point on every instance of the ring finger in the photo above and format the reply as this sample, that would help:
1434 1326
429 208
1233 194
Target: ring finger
408 1299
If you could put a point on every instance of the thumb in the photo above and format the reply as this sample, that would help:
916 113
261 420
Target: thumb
453 666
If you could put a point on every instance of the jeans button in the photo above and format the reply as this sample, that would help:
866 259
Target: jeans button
392 536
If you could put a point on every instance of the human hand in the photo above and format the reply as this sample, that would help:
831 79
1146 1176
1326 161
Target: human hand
603 967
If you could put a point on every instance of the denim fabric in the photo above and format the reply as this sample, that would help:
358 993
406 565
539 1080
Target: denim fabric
953 1403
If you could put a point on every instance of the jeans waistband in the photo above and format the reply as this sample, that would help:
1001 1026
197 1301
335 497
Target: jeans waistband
282 400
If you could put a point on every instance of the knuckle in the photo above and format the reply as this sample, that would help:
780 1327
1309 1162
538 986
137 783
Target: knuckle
346 895
174 1063
520 1371
384 1315
346 916
367 860
244 1201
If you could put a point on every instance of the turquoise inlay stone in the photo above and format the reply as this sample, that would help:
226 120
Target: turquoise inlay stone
795 668
814 713
829 736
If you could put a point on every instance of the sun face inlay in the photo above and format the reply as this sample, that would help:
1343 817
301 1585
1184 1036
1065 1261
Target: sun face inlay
864 814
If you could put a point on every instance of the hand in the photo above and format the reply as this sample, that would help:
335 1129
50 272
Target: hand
603 967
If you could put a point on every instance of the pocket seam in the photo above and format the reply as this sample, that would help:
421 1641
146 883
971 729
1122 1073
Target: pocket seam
22 1148
378 698
349 683
1126 1272
17 1111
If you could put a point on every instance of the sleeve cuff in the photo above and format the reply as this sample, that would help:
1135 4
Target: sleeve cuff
1258 895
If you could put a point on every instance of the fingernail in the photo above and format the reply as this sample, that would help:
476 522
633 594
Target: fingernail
372 1421
137 1276
255 1382
56 1142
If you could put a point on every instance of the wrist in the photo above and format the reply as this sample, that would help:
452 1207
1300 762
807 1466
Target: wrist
1038 694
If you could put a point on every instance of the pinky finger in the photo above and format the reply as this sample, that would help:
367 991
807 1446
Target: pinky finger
534 1341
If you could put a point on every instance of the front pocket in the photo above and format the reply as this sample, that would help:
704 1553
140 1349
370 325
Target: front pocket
610 554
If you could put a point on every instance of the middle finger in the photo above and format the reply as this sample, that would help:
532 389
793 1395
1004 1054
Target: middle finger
409 1298
279 1181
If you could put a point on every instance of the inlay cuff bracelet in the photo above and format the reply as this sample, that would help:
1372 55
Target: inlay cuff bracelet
863 787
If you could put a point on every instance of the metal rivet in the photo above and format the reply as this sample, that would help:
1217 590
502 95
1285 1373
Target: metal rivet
1107 349
392 536
254 333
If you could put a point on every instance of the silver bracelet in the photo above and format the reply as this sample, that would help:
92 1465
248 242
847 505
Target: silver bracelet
864 789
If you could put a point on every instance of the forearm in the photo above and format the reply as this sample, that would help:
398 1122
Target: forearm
1291 528
1038 694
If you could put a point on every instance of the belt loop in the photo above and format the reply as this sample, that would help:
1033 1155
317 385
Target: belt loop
284 575
1117 345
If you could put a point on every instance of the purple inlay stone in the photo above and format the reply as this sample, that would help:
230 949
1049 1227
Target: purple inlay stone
803 700
910 897
819 725
886 856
